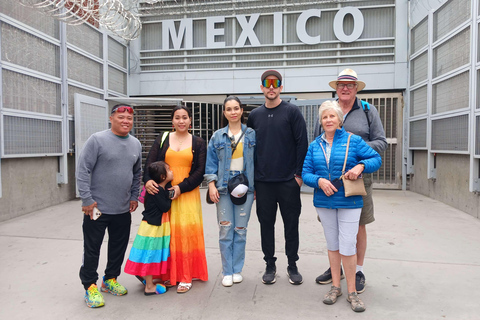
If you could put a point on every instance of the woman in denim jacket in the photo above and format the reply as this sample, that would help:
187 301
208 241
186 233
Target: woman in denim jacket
221 166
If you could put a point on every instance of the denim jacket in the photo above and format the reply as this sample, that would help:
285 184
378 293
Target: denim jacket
219 156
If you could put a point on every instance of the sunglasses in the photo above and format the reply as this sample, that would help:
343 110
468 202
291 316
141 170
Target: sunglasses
122 109
271 82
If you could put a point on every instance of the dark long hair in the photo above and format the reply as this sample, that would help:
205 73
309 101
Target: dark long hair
230 98
158 171
181 108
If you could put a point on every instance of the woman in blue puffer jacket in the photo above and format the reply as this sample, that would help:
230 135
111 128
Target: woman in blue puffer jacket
340 215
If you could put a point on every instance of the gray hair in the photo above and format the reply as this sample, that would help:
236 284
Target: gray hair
330 105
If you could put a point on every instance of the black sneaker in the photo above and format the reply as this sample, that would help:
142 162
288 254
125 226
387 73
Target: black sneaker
360 282
326 277
269 275
294 276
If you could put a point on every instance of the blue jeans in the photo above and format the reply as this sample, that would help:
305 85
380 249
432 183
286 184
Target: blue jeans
233 234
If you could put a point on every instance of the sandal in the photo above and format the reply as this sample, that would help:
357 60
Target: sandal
168 284
184 287
159 289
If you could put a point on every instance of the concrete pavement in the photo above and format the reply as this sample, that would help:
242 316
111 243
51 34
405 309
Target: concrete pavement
423 262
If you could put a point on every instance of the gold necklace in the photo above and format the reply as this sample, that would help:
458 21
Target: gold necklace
180 141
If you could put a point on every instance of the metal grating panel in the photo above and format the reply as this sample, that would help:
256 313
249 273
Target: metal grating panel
387 172
418 134
26 50
84 70
86 38
93 119
419 67
450 134
117 80
478 40
452 14
478 89
22 92
91 115
387 110
477 136
117 53
419 36
71 93
451 94
310 114
31 17
418 101
26 136
452 54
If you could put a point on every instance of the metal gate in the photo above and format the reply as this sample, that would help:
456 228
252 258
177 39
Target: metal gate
390 109
152 119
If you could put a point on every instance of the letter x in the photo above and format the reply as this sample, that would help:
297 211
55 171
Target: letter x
247 30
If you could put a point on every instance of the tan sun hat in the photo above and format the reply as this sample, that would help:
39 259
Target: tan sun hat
347 75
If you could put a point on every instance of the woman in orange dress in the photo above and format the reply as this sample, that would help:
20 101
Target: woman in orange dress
186 156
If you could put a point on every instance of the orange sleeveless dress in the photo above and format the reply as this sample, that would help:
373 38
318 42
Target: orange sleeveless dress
187 244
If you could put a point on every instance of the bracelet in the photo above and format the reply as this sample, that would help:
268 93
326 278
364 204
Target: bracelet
298 177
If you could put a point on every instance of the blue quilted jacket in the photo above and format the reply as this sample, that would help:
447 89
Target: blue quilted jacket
315 167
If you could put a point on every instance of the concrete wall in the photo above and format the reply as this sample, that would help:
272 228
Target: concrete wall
30 184
451 184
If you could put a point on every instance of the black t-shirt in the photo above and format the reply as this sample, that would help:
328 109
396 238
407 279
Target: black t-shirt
281 144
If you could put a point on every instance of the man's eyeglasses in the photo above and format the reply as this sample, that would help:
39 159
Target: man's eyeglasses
271 82
122 109
349 86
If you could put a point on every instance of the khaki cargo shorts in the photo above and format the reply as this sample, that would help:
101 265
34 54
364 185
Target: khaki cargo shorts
366 216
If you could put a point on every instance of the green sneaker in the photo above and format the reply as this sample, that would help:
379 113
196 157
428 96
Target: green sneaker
113 287
93 298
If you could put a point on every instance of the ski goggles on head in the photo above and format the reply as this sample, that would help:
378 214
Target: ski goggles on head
271 82
122 109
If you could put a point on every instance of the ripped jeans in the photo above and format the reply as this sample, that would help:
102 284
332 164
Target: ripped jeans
233 221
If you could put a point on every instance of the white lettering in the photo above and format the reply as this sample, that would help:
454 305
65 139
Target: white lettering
247 30
302 26
358 24
215 34
278 28
212 32
185 29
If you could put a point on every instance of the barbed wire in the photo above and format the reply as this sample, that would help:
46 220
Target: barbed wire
111 14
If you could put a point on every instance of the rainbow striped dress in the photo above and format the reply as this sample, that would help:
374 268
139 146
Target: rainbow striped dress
150 253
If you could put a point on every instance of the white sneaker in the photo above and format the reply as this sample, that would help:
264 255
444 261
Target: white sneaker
237 278
227 281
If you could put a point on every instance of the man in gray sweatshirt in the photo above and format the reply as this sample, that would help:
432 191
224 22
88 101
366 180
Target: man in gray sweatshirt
108 180
361 119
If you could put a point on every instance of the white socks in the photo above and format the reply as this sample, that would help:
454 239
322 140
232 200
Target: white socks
359 268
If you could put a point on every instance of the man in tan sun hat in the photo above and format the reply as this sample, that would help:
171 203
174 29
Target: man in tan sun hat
362 119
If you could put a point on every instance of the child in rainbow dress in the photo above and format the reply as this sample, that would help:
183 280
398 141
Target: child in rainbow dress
150 254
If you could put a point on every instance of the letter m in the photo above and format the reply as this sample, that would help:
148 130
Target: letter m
169 31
